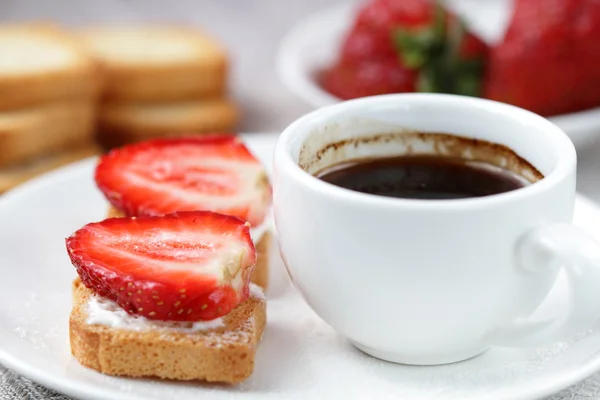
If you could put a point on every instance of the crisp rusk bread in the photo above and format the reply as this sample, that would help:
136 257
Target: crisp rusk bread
223 354
14 175
260 275
122 123
158 63
41 63
33 132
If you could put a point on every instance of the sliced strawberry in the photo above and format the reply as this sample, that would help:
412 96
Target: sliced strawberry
158 177
187 266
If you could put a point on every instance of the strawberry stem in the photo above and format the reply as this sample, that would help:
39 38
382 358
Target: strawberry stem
435 51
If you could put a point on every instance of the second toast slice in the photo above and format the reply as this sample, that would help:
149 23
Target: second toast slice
158 63
122 123
41 63
33 132
223 353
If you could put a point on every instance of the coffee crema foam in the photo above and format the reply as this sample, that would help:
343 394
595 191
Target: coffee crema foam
321 151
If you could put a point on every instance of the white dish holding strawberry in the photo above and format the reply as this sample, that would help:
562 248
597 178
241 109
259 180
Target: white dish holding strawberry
314 43
299 357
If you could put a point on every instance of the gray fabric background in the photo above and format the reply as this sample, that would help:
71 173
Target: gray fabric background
251 29
13 386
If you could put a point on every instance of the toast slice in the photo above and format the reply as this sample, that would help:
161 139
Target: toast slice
41 63
15 175
122 123
260 275
219 354
158 63
33 132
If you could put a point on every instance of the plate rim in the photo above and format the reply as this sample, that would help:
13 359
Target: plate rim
83 390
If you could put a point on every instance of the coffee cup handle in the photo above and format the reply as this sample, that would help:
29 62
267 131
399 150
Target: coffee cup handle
579 255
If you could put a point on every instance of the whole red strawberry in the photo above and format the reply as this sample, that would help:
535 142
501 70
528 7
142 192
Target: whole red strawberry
549 59
389 14
404 46
364 44
349 81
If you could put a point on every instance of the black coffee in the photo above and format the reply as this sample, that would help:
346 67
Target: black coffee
423 177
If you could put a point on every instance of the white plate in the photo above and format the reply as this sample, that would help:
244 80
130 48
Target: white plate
313 43
300 357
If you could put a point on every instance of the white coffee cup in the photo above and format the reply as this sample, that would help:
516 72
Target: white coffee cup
433 281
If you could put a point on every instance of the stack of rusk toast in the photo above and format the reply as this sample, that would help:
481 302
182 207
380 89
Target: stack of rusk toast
49 84
160 81
65 95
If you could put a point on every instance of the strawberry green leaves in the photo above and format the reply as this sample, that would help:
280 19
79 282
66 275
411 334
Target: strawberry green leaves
447 57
